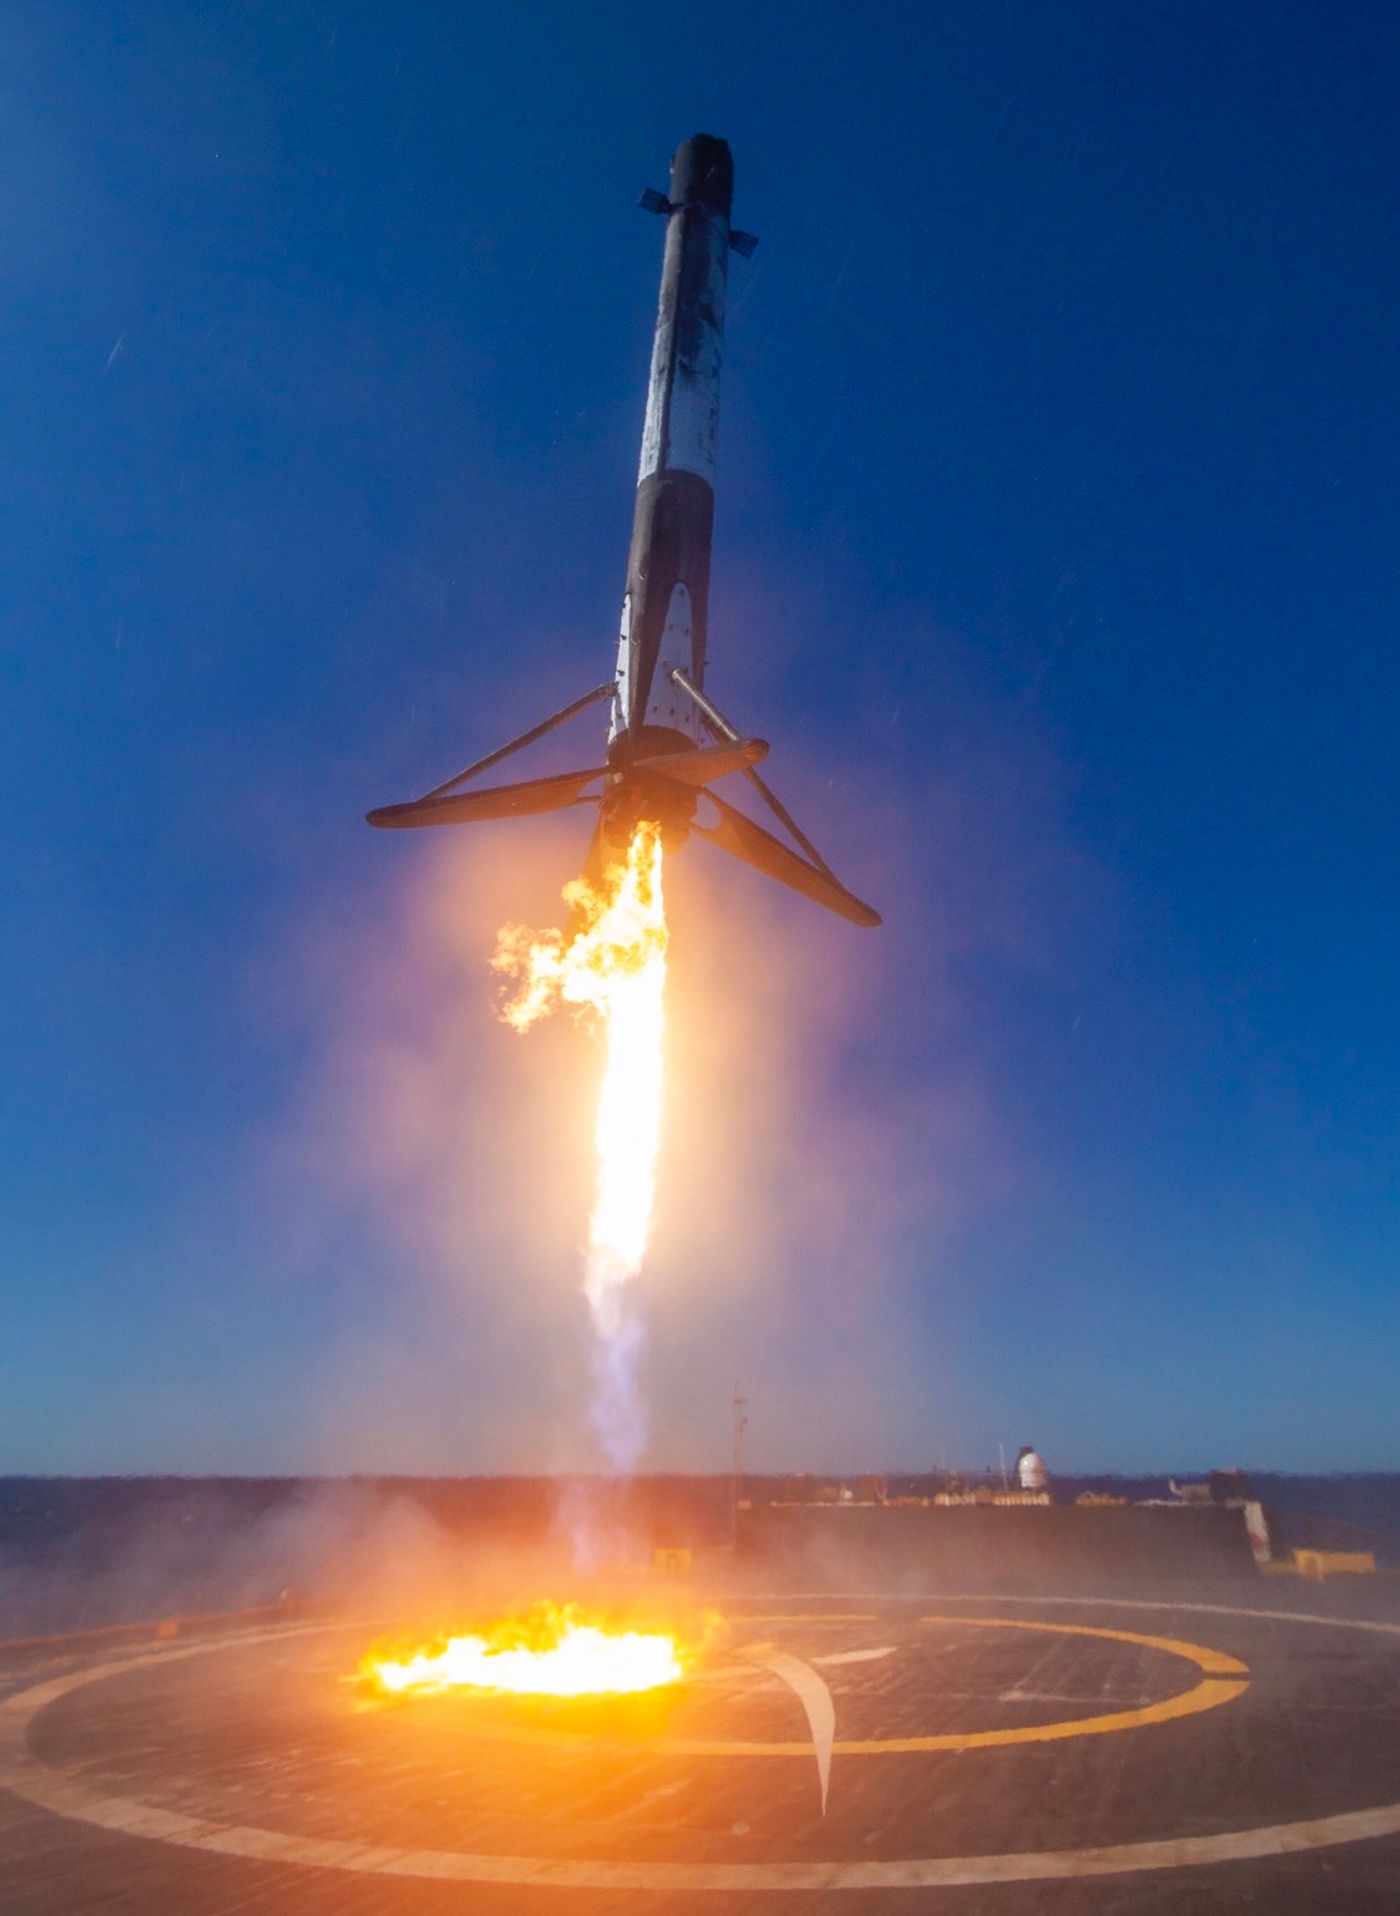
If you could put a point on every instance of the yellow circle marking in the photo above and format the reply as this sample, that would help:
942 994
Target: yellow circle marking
1215 1661
1226 1679
67 1795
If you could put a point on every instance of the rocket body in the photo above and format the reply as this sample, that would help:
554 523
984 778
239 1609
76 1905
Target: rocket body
665 611
668 743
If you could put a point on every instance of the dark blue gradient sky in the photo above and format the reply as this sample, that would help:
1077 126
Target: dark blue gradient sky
1056 553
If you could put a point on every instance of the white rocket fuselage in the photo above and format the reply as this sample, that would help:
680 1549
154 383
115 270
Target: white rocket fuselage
666 607
668 743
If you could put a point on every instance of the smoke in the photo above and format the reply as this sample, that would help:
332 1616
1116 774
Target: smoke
87 1553
616 1407
432 1173
830 1132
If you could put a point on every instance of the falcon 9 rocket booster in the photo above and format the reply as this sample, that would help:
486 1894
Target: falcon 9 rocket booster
667 740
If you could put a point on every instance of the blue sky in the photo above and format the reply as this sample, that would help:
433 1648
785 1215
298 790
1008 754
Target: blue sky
1055 553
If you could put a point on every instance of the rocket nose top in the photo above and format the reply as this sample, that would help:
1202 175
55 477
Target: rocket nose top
702 173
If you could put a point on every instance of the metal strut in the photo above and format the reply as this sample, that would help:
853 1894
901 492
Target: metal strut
717 723
518 744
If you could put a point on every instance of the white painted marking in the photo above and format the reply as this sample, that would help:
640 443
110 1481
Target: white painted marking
25 1776
815 1699
855 1656
1099 1603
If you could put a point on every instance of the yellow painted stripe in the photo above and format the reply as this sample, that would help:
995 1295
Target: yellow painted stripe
1228 1678
67 1796
71 1797
1207 1695
1215 1661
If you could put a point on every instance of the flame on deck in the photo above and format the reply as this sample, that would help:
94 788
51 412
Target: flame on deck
554 1651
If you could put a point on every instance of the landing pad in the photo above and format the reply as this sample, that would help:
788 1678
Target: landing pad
833 1754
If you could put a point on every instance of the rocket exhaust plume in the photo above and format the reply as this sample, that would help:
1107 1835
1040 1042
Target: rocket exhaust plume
610 968
667 746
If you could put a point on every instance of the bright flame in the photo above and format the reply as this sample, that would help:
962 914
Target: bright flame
614 967
553 1652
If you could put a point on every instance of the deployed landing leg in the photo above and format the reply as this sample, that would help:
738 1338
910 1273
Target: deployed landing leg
738 834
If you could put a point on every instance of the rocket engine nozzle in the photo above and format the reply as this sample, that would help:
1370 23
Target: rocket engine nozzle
630 797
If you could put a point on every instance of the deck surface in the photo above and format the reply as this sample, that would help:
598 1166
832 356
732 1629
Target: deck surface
984 1755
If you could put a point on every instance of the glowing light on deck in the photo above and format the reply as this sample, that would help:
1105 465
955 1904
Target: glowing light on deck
554 1651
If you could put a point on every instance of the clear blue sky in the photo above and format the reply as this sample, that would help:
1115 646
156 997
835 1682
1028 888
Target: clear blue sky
1056 553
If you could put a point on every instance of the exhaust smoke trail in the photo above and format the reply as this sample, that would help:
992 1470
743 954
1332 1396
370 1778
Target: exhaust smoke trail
612 969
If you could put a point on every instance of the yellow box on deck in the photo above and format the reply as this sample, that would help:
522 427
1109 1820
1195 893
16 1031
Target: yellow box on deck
1333 1563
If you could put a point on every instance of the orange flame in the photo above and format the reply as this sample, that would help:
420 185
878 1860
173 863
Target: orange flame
614 968
552 1652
